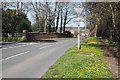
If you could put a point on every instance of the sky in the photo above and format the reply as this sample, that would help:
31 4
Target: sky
72 23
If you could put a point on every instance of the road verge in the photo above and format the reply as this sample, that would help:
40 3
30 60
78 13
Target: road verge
88 62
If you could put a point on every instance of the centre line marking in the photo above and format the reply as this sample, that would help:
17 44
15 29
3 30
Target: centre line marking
42 47
4 48
1 60
10 47
16 55
19 46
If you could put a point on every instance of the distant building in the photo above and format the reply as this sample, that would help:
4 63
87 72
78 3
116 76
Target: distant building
74 30
71 29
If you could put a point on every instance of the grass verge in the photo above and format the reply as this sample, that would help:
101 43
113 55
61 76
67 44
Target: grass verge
73 65
11 39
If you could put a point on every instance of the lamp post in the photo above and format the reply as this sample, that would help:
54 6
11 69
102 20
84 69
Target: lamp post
78 10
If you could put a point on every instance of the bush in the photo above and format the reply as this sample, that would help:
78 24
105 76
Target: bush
24 25
75 34
69 33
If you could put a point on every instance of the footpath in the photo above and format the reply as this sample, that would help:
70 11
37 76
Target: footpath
112 58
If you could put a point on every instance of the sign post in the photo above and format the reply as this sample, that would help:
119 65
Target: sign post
78 37
78 10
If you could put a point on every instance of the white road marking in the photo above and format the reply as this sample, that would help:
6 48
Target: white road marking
16 55
32 43
23 45
10 47
4 48
49 45
27 51
20 45
42 47
45 46
1 60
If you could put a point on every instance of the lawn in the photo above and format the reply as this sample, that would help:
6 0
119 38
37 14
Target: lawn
78 64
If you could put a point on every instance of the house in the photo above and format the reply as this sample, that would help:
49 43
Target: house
74 30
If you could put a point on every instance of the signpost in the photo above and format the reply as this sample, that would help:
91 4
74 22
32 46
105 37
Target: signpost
78 10
78 20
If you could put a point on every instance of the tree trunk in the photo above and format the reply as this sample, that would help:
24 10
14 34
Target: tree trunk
114 32
46 13
61 22
54 15
50 22
36 9
57 22
38 21
64 24
113 17
49 28
96 26
95 34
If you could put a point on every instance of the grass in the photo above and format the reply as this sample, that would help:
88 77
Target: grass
72 65
11 39
0 38
112 44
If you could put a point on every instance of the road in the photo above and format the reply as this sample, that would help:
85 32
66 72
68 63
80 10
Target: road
31 60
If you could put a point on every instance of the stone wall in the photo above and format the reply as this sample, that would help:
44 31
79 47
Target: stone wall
39 36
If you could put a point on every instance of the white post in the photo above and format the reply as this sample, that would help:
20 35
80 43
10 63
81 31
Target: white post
78 37
78 10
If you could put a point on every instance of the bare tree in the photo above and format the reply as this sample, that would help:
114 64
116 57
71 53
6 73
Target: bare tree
36 7
61 22
57 17
46 15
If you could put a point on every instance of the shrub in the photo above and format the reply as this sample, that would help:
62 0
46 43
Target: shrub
24 25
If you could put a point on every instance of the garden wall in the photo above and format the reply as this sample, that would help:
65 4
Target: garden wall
38 36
